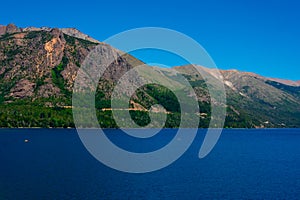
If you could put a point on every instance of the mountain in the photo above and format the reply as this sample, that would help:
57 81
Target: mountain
257 101
38 67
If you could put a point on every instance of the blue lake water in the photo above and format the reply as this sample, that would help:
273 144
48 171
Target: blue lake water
54 164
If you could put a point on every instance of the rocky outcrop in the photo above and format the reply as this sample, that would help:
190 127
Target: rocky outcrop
50 58
76 33
24 88
55 48
9 29
39 62
48 90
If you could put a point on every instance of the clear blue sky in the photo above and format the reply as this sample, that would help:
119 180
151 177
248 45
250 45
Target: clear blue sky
261 36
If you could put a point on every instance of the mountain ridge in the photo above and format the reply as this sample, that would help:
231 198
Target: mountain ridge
38 67
12 28
74 32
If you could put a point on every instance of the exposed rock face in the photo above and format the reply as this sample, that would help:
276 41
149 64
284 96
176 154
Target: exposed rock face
10 28
76 33
50 58
2 30
48 90
27 29
24 88
55 48
31 55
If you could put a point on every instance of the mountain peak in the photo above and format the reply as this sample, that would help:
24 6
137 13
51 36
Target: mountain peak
11 28
78 34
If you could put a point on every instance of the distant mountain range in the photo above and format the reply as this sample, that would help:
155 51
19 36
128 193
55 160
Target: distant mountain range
38 67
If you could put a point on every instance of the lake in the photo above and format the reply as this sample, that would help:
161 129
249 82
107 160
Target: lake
54 164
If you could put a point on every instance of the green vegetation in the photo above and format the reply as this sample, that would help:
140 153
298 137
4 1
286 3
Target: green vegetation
58 79
5 88
44 35
163 96
295 91
33 34
10 53
6 36
26 113
23 113
101 101
39 82
69 39
72 41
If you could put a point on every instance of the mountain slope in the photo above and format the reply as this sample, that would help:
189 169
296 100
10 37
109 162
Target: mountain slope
38 67
258 101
